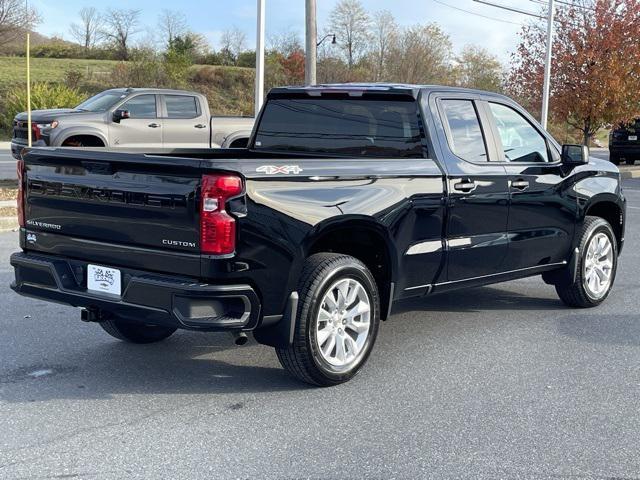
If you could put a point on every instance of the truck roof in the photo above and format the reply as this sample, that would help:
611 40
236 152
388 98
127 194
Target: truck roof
154 90
391 88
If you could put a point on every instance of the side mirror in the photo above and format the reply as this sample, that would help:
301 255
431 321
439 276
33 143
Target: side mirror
120 115
575 154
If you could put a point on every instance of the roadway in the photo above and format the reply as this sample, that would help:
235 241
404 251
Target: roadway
497 382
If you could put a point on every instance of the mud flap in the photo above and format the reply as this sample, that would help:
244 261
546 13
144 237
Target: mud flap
280 335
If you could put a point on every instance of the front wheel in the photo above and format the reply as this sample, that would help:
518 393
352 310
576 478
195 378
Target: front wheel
337 324
597 266
136 332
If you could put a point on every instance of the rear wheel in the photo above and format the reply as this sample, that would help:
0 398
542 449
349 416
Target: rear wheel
597 266
337 324
136 332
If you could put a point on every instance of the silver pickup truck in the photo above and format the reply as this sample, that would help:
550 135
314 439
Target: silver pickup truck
131 119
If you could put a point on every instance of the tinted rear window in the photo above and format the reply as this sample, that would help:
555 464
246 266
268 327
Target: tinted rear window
181 106
355 127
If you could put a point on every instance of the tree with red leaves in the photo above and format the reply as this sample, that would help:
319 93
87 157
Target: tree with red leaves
595 74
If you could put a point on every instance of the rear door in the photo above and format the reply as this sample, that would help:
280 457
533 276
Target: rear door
542 214
144 127
184 121
476 233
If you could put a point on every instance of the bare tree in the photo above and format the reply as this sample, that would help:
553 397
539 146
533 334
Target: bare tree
350 22
233 42
171 24
384 35
87 33
15 19
286 42
118 27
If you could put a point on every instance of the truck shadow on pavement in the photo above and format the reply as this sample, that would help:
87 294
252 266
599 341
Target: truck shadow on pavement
185 364
477 300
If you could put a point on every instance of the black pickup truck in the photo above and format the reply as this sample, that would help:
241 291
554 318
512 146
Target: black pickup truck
349 198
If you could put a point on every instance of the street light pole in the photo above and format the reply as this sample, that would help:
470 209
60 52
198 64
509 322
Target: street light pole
544 117
259 59
311 47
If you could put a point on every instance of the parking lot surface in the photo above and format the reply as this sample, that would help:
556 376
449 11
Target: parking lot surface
497 382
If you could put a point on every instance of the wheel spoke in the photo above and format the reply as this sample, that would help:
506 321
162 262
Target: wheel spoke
357 327
324 315
605 250
352 348
341 353
324 334
360 309
327 349
330 301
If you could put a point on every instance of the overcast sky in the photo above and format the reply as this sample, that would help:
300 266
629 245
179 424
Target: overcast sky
211 17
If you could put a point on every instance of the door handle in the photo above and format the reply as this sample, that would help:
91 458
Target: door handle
465 186
520 184
200 125
154 125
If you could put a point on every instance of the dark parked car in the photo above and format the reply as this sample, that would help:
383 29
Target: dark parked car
624 143
348 199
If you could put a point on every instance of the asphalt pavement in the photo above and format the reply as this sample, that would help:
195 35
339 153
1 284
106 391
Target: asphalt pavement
7 163
497 382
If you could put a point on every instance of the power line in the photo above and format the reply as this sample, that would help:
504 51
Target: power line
569 4
477 14
510 9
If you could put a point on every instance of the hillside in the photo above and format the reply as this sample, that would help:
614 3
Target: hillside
228 89
13 69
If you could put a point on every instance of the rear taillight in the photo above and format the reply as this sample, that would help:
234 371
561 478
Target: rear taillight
217 227
35 131
20 166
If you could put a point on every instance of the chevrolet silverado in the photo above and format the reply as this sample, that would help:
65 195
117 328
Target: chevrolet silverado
348 199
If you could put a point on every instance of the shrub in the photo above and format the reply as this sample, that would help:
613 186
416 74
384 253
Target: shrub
43 96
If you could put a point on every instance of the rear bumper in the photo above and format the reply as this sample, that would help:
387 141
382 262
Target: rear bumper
146 297
625 150
17 146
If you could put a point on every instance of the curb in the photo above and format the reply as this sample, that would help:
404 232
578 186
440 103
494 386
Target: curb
629 174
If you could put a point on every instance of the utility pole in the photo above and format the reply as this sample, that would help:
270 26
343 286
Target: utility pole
311 47
259 59
547 66
29 135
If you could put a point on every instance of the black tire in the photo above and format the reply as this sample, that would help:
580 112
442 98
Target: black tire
303 359
631 161
136 332
575 294
614 158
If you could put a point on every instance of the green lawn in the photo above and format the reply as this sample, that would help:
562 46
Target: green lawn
13 69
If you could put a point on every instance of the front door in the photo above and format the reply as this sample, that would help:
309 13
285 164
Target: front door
143 128
478 194
542 214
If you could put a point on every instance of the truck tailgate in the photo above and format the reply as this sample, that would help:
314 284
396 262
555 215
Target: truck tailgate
124 201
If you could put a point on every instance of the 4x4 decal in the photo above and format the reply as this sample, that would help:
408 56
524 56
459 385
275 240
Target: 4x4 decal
276 169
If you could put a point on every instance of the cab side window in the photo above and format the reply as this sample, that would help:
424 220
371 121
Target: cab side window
521 142
181 106
465 134
142 106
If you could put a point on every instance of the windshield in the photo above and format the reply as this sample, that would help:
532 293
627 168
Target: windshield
101 102
339 126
